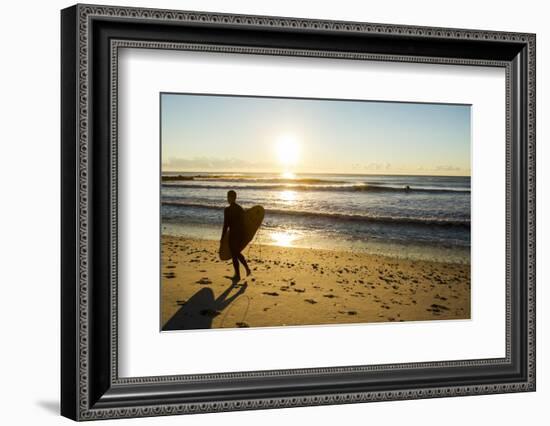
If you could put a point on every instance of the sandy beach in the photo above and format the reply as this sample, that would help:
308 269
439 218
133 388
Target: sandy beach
296 286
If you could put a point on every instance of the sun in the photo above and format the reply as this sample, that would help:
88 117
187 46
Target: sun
287 150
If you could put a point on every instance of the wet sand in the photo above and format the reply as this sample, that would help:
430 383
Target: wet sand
296 286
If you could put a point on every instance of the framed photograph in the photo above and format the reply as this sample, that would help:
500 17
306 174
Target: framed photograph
263 212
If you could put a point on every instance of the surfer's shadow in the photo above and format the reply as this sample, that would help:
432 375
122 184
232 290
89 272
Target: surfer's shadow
199 311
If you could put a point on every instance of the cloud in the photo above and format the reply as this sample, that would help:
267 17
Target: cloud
208 163
448 168
386 167
377 166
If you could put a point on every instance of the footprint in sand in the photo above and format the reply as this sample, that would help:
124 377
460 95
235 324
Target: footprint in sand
270 293
436 309
204 280
169 275
242 324
310 301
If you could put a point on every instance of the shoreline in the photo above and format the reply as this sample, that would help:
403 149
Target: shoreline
300 286
389 248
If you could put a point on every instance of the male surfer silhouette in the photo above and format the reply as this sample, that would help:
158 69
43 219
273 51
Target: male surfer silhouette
233 219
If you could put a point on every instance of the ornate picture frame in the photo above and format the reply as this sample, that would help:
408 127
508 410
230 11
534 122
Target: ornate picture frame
91 37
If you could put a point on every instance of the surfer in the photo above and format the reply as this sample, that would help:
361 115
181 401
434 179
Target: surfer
233 219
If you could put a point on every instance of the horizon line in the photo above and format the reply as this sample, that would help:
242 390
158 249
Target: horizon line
317 173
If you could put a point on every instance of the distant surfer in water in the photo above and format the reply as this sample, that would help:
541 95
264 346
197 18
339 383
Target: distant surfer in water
233 219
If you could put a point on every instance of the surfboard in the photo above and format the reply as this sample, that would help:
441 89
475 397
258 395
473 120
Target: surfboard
253 218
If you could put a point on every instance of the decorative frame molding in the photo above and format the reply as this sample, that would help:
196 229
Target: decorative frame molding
91 388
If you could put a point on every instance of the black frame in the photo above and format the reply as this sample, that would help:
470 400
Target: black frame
90 386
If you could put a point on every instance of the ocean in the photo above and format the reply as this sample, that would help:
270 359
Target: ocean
417 217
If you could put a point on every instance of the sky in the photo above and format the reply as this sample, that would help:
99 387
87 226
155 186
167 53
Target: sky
287 135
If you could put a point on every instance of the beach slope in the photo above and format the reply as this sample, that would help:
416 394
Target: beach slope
296 286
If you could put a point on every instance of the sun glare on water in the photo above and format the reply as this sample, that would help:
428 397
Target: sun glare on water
283 239
288 195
